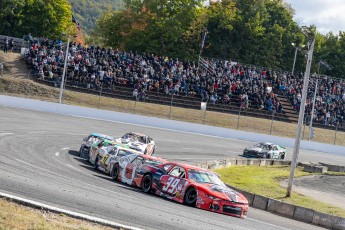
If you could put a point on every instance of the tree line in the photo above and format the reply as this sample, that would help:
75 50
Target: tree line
259 32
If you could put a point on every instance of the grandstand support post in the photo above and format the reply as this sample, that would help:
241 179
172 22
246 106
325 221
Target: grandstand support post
294 60
312 110
63 73
238 119
100 95
171 102
203 121
335 135
311 38
135 106
272 122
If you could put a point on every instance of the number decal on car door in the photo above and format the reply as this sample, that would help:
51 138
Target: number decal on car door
172 183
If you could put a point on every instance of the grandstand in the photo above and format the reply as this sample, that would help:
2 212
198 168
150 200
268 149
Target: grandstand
228 87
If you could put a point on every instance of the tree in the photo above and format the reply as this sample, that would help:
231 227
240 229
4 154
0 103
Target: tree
48 18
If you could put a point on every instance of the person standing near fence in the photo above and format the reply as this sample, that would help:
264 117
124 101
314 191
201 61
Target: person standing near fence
1 68
11 45
6 44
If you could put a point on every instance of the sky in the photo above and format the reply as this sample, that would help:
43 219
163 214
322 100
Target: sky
327 15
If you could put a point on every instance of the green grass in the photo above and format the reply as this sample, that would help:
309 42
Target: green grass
264 180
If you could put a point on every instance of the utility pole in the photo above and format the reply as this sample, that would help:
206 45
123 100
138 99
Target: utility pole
311 38
63 73
312 110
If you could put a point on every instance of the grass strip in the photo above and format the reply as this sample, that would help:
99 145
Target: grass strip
265 181
14 216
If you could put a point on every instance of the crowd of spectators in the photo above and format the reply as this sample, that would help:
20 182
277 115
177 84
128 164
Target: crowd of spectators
215 81
96 67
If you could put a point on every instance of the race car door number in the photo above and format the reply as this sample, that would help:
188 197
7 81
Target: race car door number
171 184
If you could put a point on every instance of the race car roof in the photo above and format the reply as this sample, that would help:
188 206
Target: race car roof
102 136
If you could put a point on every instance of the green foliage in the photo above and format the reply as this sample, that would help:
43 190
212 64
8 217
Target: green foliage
265 181
87 12
40 18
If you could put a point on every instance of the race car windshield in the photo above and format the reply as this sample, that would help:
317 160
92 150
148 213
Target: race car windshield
134 137
204 177
122 153
152 162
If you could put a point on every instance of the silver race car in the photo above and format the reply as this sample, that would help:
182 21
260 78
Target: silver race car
89 141
138 142
104 157
265 150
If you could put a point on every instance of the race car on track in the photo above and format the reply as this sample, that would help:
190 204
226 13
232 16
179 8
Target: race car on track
265 150
138 142
105 157
182 183
89 141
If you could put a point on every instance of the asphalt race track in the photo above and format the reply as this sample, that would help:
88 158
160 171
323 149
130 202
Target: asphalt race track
39 161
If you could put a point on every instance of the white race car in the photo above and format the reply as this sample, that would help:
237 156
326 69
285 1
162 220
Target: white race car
265 150
104 157
138 142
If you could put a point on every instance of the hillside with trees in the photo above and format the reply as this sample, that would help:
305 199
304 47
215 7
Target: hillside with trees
87 12
258 32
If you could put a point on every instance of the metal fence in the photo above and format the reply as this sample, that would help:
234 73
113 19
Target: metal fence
120 98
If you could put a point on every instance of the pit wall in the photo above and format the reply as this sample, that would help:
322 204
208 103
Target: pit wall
275 206
163 123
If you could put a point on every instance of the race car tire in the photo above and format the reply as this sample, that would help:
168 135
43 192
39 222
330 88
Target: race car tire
268 156
95 165
146 183
145 152
83 153
282 157
153 151
115 172
191 196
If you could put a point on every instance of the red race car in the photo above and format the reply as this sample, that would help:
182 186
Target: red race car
186 184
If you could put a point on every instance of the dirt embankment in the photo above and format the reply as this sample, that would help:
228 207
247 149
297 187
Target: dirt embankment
15 79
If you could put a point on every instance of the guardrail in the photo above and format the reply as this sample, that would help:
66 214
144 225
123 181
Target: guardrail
275 206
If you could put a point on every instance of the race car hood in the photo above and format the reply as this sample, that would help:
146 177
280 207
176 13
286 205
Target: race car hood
225 193
256 149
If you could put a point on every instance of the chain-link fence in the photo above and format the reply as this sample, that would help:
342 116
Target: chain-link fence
122 99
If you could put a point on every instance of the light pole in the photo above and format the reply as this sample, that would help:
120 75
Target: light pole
312 110
311 37
294 60
64 72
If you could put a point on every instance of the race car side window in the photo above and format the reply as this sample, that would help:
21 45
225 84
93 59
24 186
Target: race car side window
137 160
275 148
178 172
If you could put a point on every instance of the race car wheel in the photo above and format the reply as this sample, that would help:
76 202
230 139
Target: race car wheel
95 165
115 172
282 156
84 153
191 196
146 183
145 152
153 151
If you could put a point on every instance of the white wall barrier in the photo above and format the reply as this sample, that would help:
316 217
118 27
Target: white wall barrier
162 123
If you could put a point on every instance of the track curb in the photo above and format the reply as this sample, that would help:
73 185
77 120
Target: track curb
41 206
275 206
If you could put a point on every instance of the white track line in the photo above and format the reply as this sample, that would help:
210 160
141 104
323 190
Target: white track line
66 148
77 215
4 134
82 182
